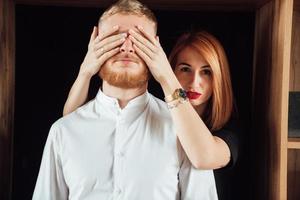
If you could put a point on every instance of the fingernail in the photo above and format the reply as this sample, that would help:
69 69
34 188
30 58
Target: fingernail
115 27
124 34
141 28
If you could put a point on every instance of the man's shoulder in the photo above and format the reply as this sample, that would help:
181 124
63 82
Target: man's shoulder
158 103
80 114
61 123
159 107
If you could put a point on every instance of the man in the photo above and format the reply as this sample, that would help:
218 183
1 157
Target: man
122 144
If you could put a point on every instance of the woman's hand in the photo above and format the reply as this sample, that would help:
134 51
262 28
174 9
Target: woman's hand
100 48
150 50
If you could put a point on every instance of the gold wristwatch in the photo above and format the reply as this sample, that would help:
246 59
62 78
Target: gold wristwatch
178 94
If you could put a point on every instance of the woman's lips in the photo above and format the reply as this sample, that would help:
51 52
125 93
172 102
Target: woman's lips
193 95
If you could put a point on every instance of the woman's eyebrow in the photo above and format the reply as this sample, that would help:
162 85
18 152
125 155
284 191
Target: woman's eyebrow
183 63
205 67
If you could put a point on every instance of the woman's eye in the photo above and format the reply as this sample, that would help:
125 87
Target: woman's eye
185 69
206 72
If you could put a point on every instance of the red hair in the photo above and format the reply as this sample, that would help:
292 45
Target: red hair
220 106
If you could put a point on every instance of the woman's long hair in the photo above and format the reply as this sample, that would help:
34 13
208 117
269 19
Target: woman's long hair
220 106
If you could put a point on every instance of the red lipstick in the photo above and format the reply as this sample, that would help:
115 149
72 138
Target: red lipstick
193 95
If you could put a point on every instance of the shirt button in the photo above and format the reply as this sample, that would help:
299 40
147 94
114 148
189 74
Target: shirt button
120 154
118 191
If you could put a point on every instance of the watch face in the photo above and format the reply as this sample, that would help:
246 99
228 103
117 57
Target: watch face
182 93
178 94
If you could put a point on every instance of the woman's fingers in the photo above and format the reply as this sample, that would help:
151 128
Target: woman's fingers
94 34
106 41
142 54
109 40
105 34
143 40
108 54
142 47
109 47
93 37
147 35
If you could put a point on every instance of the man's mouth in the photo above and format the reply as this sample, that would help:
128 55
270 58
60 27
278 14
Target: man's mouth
126 60
193 95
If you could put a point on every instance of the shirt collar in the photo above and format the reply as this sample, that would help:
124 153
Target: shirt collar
135 105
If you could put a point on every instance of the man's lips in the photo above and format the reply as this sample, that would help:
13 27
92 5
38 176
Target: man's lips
126 60
193 95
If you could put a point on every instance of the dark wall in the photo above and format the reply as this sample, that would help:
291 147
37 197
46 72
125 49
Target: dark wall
50 45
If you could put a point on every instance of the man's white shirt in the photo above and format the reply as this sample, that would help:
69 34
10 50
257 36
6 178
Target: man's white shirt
103 152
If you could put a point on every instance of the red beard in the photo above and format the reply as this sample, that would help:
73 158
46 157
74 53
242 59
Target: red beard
124 79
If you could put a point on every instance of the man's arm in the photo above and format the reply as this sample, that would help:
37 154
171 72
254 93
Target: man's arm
51 184
196 184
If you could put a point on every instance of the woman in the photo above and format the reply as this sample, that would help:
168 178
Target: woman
200 67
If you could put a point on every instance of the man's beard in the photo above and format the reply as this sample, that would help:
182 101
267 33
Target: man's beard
124 78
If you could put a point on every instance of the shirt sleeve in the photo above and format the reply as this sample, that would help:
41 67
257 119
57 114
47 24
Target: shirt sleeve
50 184
196 184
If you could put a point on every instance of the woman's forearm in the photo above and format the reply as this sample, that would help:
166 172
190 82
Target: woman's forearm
204 150
95 57
78 93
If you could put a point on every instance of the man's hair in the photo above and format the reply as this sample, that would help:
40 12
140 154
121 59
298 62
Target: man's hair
220 107
133 7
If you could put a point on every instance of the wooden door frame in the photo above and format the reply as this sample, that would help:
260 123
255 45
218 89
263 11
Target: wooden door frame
7 94
272 124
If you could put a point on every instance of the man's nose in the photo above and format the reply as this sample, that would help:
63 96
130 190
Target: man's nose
127 46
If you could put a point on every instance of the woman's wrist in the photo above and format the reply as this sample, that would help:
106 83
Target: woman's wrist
85 75
170 84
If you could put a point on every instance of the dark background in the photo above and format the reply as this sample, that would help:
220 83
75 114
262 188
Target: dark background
51 43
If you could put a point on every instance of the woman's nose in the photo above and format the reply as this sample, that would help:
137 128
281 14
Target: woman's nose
196 80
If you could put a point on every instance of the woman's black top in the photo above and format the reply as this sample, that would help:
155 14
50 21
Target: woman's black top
227 180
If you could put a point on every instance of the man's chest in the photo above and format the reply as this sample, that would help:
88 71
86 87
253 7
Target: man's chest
118 157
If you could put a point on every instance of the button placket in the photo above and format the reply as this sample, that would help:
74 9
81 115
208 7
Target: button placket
118 154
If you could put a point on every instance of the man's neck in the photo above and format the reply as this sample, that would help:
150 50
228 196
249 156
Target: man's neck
123 95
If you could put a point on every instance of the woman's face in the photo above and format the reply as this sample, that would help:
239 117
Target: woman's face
195 76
